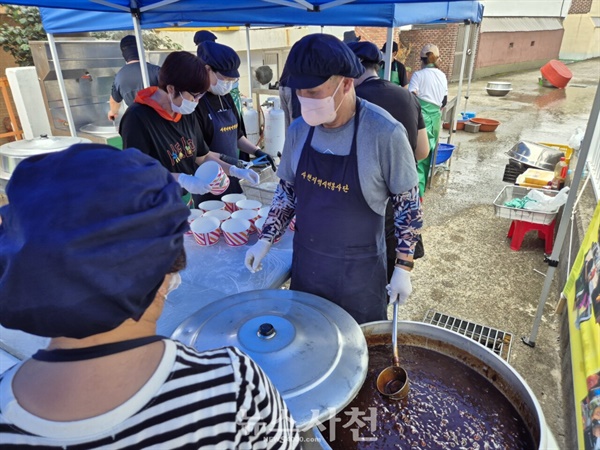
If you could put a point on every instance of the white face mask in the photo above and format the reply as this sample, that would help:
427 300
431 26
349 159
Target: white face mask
174 283
187 106
317 111
222 87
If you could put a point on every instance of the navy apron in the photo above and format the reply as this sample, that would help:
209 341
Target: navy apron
339 245
224 141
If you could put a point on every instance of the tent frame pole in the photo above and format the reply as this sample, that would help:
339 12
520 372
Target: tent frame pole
61 84
463 63
248 61
140 48
387 73
472 64
552 260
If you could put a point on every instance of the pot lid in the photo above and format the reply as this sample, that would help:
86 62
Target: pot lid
313 351
102 127
40 145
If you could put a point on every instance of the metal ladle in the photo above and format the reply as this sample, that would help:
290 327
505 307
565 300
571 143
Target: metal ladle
393 380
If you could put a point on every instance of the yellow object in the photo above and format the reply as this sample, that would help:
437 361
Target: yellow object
568 151
535 178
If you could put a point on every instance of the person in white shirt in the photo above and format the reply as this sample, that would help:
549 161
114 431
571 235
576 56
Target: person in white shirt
431 88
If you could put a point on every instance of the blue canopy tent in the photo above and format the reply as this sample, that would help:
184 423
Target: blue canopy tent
68 16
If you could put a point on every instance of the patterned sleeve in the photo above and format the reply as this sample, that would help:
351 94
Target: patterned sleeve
264 422
282 211
408 219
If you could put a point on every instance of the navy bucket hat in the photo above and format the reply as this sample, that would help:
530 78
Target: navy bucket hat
366 51
316 58
221 58
86 240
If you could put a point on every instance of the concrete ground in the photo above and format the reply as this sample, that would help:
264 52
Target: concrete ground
469 270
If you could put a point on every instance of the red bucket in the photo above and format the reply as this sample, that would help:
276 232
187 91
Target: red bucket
556 73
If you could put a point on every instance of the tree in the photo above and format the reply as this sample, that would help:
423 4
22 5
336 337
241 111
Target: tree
152 41
25 25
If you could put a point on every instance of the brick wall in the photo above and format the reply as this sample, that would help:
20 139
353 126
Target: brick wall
580 6
444 36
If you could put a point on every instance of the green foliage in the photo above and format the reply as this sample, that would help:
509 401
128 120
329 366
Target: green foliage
25 25
152 41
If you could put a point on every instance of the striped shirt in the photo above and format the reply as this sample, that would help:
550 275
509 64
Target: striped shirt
218 399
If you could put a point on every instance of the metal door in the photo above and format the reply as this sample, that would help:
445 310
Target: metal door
458 54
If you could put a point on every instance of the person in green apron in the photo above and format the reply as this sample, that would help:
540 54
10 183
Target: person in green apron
398 73
431 88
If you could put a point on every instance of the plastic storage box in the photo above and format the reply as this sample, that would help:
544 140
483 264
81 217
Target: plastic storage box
525 215
472 127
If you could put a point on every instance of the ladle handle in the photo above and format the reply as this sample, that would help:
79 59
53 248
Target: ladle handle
395 335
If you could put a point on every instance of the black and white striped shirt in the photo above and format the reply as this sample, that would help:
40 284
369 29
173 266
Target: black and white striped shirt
218 399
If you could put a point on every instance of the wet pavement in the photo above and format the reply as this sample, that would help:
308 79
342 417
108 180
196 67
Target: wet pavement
469 270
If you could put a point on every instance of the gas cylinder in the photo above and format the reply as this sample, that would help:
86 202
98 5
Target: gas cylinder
251 123
274 126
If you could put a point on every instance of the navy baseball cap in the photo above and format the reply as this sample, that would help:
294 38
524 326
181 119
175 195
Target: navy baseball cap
221 58
203 36
316 58
366 51
86 239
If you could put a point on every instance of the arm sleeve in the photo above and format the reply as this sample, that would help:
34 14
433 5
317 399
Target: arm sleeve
281 213
413 85
408 220
421 121
115 93
133 132
263 419
402 74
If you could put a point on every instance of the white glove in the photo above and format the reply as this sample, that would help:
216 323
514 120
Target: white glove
244 174
193 184
400 287
255 255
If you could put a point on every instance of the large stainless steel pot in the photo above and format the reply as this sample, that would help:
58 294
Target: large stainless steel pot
476 357
13 153
535 155
312 350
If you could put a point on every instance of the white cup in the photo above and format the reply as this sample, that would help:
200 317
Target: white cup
249 204
220 214
247 214
235 231
211 205
230 201
206 230
264 211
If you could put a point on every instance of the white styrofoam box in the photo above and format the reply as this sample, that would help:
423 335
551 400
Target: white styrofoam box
27 94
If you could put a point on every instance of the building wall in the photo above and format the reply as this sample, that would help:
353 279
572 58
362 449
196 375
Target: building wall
444 36
580 6
527 8
509 52
582 36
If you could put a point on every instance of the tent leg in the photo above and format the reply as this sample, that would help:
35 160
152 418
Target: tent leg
472 65
140 47
564 220
61 84
248 61
463 63
387 73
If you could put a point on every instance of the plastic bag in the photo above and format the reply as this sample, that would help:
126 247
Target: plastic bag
542 202
576 138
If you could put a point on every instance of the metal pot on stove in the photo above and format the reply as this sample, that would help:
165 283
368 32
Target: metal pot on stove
12 153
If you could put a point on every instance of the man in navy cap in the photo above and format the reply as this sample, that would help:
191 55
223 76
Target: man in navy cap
203 36
128 80
405 108
342 162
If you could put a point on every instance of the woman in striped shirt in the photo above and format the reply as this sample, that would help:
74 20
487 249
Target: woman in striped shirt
94 279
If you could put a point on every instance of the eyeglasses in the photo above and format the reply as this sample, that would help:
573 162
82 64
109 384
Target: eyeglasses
196 96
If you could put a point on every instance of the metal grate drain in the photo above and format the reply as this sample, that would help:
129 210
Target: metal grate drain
496 340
